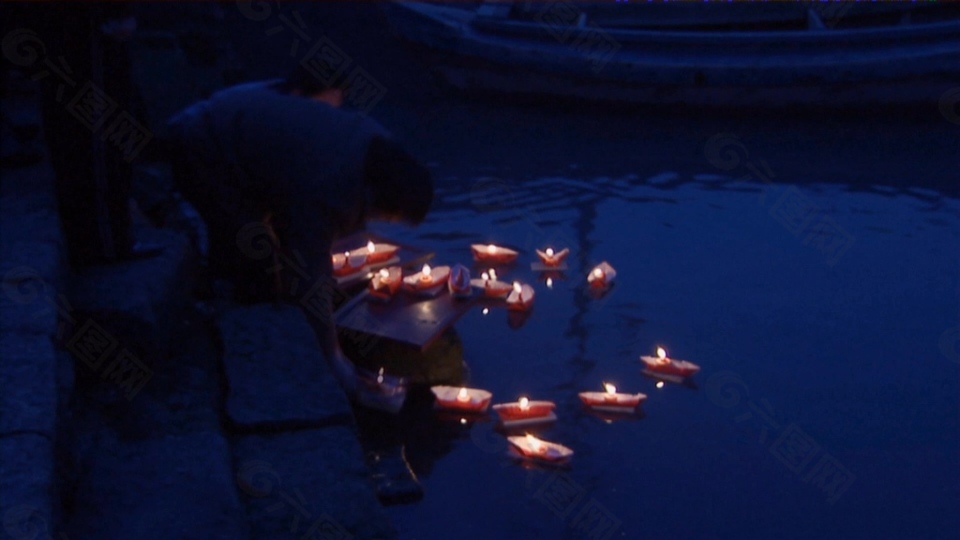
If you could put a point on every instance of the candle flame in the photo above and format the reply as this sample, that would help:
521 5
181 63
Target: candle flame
549 283
597 273
463 395
384 273
485 276
380 376
371 247
516 287
534 442
549 252
524 403
491 249
611 389
426 270
493 274
346 254
661 353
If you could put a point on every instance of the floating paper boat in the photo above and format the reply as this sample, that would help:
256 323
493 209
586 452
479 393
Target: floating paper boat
530 447
668 367
381 391
525 413
491 286
348 263
385 283
601 276
461 399
377 253
427 282
551 258
612 401
459 282
520 298
493 254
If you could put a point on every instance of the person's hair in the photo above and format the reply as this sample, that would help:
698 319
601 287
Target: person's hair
400 187
310 81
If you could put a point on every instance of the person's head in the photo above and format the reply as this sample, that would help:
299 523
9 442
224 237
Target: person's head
399 188
310 83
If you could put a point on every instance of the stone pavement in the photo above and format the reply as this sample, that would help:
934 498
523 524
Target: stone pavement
122 414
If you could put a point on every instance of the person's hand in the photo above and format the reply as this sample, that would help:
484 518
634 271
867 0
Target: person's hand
344 370
120 29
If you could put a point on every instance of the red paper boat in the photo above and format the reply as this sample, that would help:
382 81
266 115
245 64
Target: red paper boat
601 276
385 283
550 258
611 400
525 412
427 282
531 447
462 399
459 282
348 263
492 288
381 391
668 366
493 254
378 253
520 298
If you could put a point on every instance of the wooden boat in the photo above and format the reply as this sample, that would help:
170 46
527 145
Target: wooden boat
759 53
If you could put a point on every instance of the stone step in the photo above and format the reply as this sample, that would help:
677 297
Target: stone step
26 486
308 484
177 486
130 308
276 376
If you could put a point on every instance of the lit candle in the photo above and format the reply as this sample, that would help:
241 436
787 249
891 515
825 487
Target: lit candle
535 444
601 275
380 376
491 249
611 394
493 274
519 290
425 274
461 399
371 247
521 298
384 275
486 278
668 368
549 252
524 404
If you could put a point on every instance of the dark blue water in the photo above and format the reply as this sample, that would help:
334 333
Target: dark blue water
808 263
828 401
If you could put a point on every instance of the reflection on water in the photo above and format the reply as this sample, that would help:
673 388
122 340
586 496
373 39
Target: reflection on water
816 356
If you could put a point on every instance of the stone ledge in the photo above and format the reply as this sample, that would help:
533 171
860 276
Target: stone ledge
26 486
173 487
28 385
133 304
277 377
309 484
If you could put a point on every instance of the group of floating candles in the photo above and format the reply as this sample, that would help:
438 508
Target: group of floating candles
351 262
525 412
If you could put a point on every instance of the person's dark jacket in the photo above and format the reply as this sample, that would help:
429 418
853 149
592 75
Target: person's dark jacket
252 156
